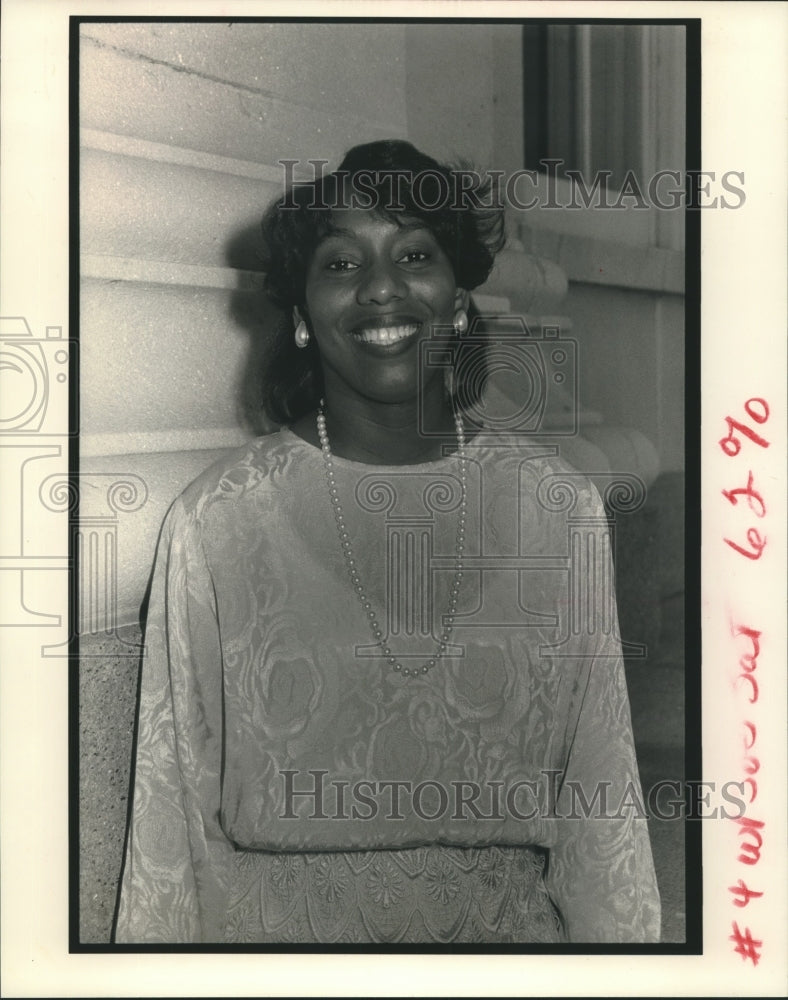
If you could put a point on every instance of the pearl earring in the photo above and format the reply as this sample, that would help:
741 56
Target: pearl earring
301 335
461 321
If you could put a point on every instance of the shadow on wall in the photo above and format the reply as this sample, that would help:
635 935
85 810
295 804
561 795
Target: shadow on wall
252 311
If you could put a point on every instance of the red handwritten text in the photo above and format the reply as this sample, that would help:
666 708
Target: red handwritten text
751 831
731 445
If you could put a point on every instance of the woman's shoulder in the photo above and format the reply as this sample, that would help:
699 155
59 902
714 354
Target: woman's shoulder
537 469
237 472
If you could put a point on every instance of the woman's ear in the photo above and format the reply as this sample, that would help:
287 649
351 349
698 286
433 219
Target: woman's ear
301 315
462 299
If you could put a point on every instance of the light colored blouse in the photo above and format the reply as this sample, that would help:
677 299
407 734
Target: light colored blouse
291 786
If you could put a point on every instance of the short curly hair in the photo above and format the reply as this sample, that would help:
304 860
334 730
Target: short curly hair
456 203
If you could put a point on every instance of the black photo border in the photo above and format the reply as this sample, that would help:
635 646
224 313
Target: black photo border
693 944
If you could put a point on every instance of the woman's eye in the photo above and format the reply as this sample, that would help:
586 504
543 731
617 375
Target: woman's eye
414 257
341 264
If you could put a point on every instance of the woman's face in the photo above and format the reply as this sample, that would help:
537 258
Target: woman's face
374 291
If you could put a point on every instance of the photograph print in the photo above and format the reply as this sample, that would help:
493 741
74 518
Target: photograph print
388 367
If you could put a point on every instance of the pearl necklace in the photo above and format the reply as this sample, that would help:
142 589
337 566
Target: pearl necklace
350 561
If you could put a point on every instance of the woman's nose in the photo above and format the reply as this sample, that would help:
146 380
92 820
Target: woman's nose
381 283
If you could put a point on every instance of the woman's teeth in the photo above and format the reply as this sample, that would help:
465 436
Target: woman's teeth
386 334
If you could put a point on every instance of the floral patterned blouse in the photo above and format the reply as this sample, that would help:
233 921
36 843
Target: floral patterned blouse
291 786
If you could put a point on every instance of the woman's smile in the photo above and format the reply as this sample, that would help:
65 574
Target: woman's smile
387 333
375 289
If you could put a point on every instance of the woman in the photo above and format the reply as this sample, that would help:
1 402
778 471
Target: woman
357 723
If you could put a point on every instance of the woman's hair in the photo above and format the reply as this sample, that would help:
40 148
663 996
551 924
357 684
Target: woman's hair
399 182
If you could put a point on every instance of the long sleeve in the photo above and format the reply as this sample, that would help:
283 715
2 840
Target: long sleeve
177 857
600 872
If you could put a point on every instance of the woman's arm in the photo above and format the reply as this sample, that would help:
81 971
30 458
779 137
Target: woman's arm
177 858
600 870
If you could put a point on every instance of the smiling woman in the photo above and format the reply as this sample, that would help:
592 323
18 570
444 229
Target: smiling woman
371 285
375 291
378 705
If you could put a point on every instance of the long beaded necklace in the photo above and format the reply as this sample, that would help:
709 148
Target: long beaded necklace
350 561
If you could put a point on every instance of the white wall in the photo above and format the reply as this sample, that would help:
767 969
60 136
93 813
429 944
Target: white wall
182 125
